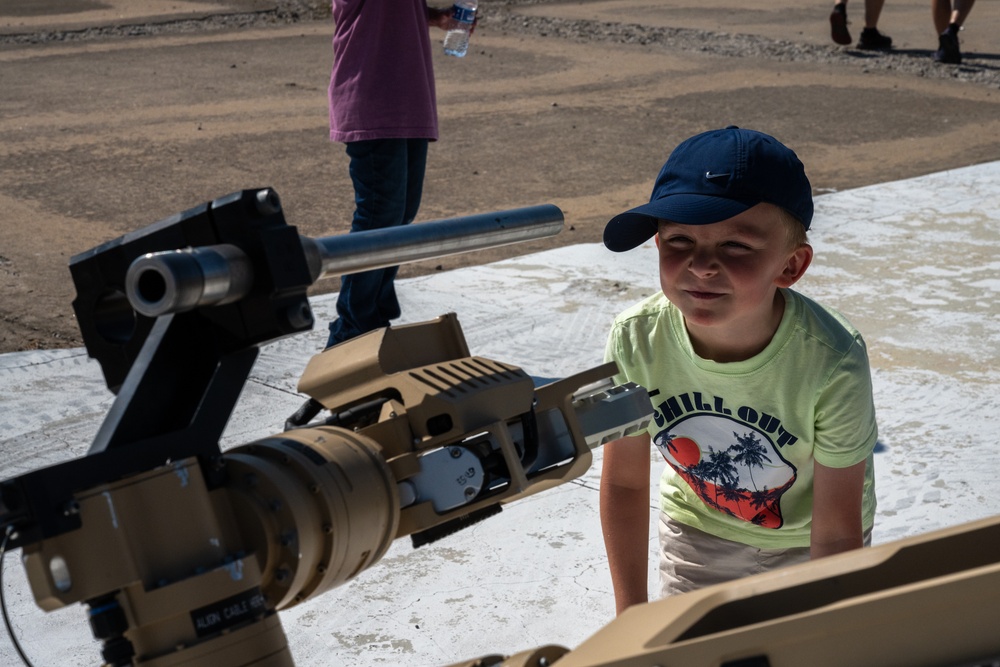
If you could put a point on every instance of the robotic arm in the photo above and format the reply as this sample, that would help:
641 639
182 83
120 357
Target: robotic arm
183 553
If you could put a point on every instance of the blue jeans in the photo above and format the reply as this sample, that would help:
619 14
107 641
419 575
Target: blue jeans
388 177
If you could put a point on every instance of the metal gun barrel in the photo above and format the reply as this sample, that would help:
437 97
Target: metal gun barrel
376 249
177 280
174 281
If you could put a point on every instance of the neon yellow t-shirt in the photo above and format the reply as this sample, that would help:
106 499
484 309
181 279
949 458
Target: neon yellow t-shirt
740 438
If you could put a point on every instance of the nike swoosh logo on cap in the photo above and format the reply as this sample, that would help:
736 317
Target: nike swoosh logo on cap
709 175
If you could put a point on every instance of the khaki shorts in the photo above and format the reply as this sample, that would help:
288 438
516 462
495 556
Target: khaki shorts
692 559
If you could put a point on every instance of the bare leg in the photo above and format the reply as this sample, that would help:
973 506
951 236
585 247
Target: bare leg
960 11
873 9
948 18
945 13
871 38
941 11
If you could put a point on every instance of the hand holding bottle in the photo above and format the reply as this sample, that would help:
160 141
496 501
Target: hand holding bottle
462 24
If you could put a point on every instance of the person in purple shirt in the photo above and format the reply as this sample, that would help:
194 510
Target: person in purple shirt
383 107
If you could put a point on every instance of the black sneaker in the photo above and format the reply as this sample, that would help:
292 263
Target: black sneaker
838 26
948 52
873 40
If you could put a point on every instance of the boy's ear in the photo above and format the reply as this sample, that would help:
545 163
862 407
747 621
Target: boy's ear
795 266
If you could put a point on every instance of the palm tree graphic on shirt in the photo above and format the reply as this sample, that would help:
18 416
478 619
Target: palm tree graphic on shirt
737 471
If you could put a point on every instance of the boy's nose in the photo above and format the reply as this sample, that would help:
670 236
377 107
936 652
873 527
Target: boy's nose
703 263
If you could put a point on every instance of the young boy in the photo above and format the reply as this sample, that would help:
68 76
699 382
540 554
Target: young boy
762 397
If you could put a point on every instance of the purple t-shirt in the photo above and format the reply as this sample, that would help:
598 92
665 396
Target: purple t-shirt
382 82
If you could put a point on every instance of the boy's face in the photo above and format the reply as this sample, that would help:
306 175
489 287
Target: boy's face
724 279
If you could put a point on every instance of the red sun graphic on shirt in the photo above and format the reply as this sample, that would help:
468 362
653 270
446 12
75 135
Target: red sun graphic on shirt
732 467
686 452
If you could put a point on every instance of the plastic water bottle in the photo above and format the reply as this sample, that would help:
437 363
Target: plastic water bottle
456 40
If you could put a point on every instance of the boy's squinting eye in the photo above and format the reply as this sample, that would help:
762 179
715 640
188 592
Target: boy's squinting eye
677 240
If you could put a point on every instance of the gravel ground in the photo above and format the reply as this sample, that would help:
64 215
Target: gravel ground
504 17
84 176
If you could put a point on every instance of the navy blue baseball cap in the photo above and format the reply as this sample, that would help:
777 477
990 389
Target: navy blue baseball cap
710 178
